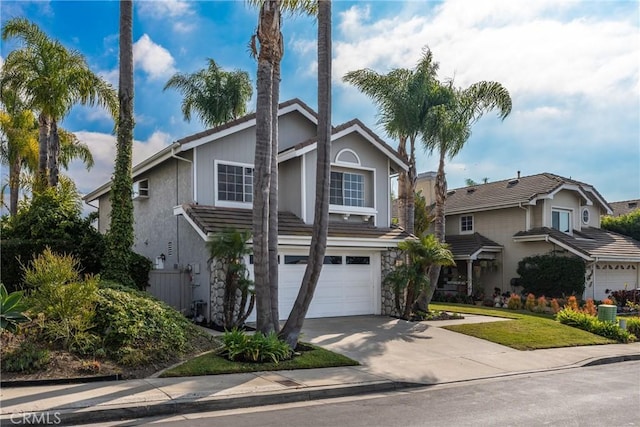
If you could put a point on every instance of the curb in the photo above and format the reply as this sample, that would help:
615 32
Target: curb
59 381
176 407
613 359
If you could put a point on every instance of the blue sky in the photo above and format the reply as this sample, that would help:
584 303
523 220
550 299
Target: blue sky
572 68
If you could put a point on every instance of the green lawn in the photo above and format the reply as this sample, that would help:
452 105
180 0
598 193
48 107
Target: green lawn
526 330
212 364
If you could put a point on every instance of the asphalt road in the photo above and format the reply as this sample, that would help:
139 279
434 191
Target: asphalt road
605 395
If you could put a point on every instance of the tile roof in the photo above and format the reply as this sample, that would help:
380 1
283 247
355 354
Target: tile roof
510 192
212 219
624 207
592 242
465 245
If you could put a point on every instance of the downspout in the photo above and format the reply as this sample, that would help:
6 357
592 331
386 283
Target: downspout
527 219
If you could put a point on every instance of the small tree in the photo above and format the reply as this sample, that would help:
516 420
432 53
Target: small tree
628 224
227 250
412 277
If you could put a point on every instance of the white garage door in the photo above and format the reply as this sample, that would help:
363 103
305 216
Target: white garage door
614 276
347 284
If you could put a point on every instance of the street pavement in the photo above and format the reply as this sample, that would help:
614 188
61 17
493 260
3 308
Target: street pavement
393 353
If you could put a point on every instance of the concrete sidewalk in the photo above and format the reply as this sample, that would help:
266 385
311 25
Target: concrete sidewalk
394 354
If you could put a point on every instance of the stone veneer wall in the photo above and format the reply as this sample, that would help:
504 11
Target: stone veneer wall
388 262
217 283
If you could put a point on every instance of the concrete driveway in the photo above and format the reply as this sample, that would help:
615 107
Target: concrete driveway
410 351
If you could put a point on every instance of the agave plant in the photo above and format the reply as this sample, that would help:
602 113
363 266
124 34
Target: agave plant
11 310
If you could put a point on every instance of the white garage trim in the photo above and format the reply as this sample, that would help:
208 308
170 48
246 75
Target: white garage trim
614 276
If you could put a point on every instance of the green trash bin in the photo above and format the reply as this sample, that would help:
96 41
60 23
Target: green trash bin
607 313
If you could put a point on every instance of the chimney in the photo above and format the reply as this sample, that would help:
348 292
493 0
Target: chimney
518 174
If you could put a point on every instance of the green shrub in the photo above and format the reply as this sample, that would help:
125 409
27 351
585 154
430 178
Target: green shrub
11 310
530 302
633 325
591 324
137 329
27 358
238 346
66 301
139 268
553 276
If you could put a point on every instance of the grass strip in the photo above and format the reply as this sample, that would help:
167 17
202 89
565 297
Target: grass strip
213 364
526 330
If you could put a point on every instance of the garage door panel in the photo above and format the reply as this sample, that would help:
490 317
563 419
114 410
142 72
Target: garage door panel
342 290
615 276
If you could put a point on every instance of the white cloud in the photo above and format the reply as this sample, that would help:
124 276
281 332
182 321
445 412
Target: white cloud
176 12
103 148
154 59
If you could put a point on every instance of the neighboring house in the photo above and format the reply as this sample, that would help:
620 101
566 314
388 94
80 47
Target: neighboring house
203 183
491 227
624 207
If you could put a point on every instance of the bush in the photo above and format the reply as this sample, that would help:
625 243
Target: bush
52 219
553 276
66 301
541 305
139 268
622 297
138 329
27 358
11 310
591 324
258 348
633 325
555 306
514 303
530 302
590 307
572 303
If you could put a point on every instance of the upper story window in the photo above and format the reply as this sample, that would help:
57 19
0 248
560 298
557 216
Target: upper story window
347 189
466 223
561 220
235 183
585 216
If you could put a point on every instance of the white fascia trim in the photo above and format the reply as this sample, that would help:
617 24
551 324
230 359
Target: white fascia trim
600 200
179 210
303 187
571 187
617 259
547 238
145 165
194 171
245 125
474 255
341 242
356 127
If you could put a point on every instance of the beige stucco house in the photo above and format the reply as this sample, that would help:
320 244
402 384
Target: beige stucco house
491 227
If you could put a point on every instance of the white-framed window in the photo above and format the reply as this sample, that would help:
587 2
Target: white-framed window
561 220
585 216
347 189
466 224
234 183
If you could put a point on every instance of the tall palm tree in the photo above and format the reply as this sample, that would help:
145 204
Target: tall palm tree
19 143
446 130
215 95
404 98
52 79
293 326
269 54
120 236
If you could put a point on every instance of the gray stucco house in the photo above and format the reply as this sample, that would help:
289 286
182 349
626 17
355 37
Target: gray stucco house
491 227
202 183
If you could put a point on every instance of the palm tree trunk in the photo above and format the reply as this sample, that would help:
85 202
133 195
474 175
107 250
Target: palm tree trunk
54 154
402 185
268 36
439 231
273 199
291 330
120 237
411 187
44 127
14 185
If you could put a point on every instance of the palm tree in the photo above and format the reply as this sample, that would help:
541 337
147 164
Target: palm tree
265 226
120 236
404 97
412 276
293 326
215 95
446 129
19 144
52 79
